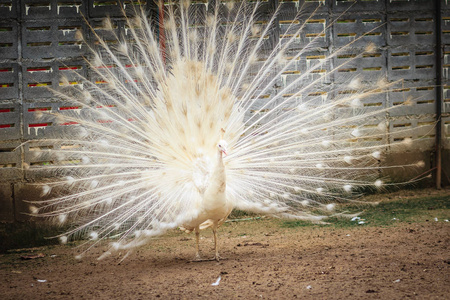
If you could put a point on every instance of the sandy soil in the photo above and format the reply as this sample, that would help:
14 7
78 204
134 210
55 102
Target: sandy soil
264 260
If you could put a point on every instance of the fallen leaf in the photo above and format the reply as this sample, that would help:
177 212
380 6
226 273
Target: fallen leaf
39 255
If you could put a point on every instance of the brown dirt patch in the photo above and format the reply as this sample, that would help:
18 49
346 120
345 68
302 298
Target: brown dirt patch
264 260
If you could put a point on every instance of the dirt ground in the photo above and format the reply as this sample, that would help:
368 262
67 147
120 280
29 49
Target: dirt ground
263 260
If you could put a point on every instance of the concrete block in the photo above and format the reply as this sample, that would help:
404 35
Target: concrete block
25 192
405 174
446 167
6 203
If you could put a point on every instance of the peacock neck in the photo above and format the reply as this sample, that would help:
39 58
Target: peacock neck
219 168
219 158
218 176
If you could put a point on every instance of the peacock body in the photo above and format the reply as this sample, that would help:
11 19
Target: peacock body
178 130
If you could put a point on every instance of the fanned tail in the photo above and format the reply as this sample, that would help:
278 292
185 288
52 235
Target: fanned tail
138 161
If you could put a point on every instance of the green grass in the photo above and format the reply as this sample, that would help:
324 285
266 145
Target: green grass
404 210
392 212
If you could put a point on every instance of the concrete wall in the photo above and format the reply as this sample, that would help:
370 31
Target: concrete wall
37 42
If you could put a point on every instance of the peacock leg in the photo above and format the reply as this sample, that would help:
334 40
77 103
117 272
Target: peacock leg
197 248
216 257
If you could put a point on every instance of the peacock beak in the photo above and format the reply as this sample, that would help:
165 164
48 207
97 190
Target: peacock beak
224 152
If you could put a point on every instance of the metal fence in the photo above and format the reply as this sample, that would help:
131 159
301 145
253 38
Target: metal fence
38 45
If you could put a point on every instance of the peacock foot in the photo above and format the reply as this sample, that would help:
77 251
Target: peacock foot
197 258
218 258
201 259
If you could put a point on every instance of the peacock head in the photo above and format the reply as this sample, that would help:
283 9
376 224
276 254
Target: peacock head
222 146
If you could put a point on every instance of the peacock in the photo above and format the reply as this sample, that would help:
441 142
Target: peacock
186 119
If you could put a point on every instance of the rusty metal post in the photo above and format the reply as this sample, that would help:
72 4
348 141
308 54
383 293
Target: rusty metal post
438 155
